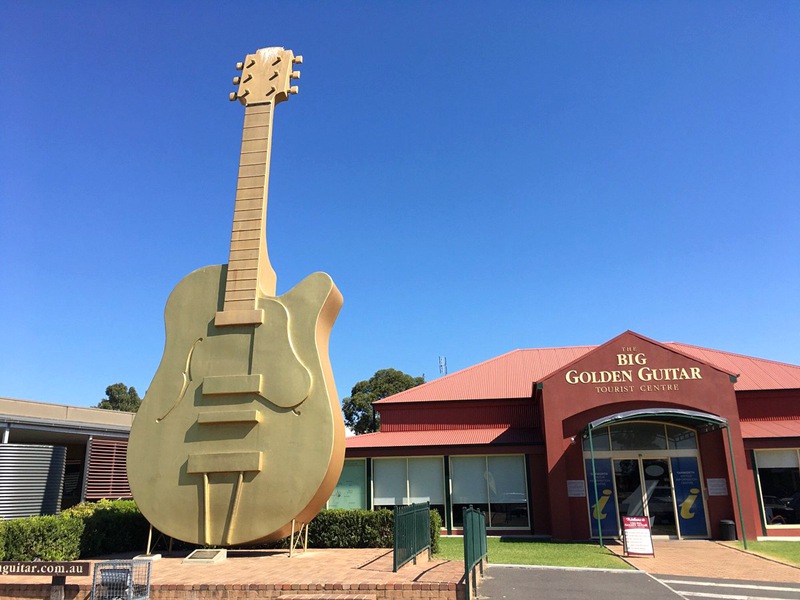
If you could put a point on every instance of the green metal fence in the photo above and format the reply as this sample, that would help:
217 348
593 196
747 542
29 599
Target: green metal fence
475 551
412 532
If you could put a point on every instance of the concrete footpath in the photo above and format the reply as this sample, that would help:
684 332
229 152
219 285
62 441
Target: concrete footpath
712 560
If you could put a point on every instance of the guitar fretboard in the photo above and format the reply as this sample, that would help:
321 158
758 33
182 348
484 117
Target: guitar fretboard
249 269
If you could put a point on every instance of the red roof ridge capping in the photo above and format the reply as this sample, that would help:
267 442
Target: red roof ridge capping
736 354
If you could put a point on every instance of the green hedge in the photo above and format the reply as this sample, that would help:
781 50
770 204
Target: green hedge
98 529
109 527
42 538
2 540
341 528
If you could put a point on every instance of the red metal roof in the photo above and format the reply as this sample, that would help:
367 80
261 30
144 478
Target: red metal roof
779 428
512 375
446 437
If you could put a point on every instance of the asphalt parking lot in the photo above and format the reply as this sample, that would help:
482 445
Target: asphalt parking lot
525 583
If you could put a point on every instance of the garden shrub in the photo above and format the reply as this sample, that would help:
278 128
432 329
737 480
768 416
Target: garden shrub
2 540
42 538
342 528
436 530
109 527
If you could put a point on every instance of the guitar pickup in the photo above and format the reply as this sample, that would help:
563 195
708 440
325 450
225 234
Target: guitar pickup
225 417
231 384
224 462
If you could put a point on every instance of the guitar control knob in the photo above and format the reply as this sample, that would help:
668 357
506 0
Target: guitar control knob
237 80
295 75
298 60
294 89
239 66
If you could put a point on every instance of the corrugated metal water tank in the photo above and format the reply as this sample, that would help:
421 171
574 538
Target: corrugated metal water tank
31 479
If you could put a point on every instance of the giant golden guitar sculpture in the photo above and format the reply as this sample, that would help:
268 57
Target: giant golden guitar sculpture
240 435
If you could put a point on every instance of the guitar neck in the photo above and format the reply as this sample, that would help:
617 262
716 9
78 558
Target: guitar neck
250 273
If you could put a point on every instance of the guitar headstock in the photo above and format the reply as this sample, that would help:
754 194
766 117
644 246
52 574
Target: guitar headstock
266 76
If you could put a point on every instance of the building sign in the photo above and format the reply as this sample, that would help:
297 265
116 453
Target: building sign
636 538
632 373
717 487
603 510
576 488
689 496
44 568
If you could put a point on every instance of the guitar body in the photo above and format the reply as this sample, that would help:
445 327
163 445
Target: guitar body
240 431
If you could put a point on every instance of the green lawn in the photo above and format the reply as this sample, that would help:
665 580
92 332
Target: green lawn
527 552
784 551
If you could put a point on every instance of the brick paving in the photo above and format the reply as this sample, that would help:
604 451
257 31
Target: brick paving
703 558
318 574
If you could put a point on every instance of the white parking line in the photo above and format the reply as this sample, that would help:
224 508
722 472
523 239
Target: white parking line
727 596
766 588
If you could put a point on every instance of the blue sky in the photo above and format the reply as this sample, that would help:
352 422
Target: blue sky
476 177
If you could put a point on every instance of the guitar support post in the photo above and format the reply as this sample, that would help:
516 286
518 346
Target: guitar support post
150 543
301 538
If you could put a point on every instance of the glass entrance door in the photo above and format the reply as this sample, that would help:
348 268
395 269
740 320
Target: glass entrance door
627 477
643 489
660 501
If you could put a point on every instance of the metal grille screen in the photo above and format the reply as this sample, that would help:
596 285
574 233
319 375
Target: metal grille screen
107 476
31 479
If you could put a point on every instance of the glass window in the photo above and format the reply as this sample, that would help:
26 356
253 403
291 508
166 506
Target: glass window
508 506
389 482
402 481
495 485
779 478
600 441
681 438
351 489
469 480
426 480
638 436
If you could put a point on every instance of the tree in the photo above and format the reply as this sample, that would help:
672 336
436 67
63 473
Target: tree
359 415
121 397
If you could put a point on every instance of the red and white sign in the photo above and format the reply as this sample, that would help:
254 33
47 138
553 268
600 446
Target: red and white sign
636 537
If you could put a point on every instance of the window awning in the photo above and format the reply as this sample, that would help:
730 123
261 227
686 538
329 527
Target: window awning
669 415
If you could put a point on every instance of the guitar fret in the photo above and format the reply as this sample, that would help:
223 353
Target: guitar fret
246 238
255 170
247 215
243 254
249 204
250 182
243 226
251 194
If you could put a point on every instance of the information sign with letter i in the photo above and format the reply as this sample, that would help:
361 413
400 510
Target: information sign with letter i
636 538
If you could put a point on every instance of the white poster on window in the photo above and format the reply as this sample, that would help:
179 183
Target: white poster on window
717 487
576 488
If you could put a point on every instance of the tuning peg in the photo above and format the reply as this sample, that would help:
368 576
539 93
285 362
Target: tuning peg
251 63
239 66
237 80
294 89
298 60
295 75
232 96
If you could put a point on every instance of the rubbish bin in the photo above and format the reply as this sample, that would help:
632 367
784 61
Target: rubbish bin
727 530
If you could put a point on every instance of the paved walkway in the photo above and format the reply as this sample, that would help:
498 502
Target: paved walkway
272 574
710 559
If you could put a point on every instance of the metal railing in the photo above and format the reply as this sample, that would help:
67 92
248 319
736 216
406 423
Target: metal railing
475 550
412 532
